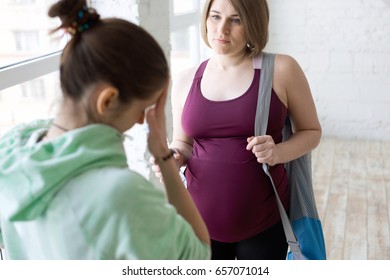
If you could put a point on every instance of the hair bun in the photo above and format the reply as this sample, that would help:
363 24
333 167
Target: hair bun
75 15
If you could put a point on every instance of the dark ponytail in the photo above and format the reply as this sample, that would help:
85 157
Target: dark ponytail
113 51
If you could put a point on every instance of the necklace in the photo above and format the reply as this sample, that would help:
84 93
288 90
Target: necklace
60 127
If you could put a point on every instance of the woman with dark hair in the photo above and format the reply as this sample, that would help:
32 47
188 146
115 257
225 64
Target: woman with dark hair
66 191
214 108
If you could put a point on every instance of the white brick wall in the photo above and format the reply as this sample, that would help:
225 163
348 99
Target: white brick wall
344 49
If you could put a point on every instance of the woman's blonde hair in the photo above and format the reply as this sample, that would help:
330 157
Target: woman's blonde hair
254 16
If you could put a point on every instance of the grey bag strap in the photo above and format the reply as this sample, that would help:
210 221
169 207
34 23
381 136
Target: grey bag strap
261 122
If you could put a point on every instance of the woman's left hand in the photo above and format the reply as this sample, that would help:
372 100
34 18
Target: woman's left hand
264 148
155 117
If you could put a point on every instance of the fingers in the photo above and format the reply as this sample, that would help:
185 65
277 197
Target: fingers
161 101
249 139
151 119
155 117
157 139
177 156
264 148
258 142
155 168
160 104
263 156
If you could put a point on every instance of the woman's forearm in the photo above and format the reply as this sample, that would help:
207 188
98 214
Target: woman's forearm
298 144
179 197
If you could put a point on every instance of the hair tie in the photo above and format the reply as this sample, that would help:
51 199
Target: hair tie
84 20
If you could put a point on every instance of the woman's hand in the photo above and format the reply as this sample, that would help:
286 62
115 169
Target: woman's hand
179 159
155 117
264 148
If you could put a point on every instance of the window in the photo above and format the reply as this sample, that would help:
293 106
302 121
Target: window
27 55
22 2
26 38
34 90
187 47
30 100
184 6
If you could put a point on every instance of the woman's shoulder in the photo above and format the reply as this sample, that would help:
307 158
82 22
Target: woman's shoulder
185 76
287 69
181 84
188 74
287 74
286 64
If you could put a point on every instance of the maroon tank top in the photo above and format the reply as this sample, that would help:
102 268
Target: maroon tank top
228 185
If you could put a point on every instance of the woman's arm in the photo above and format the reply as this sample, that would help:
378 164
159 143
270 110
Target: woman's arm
292 88
180 89
181 143
179 197
177 194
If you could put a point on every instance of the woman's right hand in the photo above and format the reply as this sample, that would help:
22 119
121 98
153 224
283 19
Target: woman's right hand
179 160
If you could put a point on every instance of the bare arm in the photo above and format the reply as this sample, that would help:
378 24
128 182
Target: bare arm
292 88
177 194
181 143
180 88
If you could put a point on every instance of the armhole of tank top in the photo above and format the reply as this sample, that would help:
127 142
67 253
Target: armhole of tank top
199 72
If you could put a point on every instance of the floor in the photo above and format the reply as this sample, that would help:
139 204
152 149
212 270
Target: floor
352 190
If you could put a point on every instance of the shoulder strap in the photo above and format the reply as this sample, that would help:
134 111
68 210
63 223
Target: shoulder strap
199 72
265 88
261 122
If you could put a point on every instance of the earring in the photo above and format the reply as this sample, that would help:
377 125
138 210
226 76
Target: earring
250 46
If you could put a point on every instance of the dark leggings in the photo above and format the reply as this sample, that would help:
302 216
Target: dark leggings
268 245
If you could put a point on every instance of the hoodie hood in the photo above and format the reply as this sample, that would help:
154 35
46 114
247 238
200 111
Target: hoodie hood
32 172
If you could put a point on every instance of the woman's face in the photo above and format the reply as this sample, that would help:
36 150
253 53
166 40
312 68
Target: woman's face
225 31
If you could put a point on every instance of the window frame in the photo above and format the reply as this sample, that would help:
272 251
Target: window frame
27 70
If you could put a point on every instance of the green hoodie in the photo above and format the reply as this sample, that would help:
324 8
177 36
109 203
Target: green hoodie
75 198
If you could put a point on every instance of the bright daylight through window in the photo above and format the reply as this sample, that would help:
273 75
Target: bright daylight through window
24 28
26 94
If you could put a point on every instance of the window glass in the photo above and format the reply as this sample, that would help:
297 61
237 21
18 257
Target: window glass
185 48
24 30
22 2
32 100
184 6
